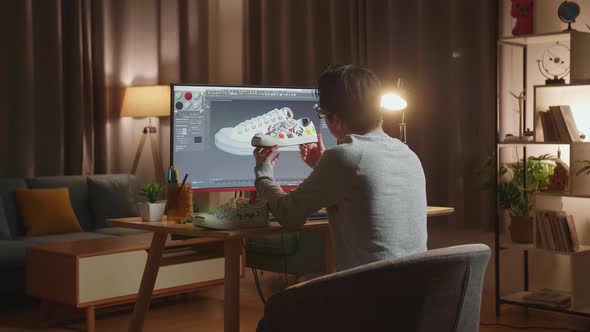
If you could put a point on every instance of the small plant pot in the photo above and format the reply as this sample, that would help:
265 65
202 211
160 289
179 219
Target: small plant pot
521 229
152 211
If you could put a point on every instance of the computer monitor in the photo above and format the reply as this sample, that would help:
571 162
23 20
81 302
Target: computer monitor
212 126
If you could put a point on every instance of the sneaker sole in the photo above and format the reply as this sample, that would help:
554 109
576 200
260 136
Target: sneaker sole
288 142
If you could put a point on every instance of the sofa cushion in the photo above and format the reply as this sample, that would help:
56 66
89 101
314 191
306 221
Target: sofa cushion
278 244
78 189
67 237
12 255
47 211
7 189
112 196
119 231
4 229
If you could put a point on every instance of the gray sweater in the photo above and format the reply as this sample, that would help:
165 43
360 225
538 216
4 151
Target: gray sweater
374 189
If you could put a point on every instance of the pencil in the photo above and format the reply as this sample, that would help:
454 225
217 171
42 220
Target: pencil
183 182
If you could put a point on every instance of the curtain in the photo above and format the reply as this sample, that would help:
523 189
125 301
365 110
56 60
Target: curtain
49 120
66 63
444 51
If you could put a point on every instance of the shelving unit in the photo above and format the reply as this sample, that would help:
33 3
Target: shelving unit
517 71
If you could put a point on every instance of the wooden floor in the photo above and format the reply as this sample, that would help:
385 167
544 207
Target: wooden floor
203 310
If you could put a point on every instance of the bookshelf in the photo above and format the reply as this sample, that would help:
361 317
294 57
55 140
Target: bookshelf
566 272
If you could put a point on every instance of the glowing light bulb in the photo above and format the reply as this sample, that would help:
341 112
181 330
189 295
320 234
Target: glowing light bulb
393 102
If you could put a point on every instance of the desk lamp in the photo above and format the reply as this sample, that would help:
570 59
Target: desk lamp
148 101
394 101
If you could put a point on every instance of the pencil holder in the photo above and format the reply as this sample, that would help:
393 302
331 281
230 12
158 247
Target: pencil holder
180 201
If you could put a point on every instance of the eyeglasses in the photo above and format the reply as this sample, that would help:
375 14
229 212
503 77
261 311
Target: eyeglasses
319 112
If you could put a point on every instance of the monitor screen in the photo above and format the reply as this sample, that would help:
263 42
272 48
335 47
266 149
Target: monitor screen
212 128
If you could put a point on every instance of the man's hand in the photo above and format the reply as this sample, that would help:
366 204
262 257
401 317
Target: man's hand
264 155
311 153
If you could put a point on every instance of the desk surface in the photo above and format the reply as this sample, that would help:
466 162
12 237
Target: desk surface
190 230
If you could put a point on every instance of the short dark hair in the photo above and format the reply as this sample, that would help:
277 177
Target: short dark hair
352 92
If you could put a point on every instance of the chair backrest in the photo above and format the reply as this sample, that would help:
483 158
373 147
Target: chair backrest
438 290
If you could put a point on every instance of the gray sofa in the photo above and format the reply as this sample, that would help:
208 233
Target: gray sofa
94 199
438 290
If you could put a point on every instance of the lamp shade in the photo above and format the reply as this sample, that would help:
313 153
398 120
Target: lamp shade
146 101
393 102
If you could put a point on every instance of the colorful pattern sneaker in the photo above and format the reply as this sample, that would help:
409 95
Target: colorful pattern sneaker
236 140
288 133
237 213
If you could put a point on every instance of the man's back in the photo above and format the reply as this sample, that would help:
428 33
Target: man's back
383 214
375 192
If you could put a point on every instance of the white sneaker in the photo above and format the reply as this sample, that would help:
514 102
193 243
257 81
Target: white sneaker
288 133
236 140
237 213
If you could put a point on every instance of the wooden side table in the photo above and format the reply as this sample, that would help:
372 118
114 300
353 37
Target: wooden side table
96 273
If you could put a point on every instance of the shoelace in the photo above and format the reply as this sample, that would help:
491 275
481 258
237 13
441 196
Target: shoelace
282 126
263 122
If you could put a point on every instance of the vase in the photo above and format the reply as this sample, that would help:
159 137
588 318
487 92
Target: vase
521 229
152 211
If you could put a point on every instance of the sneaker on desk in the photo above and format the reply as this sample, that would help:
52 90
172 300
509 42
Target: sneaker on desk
236 140
235 214
289 133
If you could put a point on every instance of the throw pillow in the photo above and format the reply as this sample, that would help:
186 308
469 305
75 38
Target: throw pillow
47 211
112 196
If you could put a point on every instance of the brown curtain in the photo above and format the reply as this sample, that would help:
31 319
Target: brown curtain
65 64
49 120
444 50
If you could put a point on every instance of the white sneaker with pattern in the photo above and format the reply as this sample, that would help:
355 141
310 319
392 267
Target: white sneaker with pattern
288 133
236 140
235 214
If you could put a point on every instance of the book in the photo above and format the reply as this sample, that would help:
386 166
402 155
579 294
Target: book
556 230
560 124
570 123
573 232
549 297
549 128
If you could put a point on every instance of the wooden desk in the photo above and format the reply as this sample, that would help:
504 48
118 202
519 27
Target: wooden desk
232 250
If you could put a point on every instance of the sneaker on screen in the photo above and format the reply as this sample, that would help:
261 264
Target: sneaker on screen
236 140
288 133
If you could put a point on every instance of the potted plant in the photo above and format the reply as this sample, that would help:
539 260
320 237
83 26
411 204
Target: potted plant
515 197
153 209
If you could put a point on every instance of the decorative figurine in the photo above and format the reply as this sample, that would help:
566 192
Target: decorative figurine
522 10
554 65
560 179
521 97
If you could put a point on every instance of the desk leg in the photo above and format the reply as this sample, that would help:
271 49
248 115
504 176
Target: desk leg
150 273
231 298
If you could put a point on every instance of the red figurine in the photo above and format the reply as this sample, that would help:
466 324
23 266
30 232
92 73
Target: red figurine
522 10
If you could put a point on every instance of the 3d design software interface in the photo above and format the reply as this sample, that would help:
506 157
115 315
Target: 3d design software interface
213 127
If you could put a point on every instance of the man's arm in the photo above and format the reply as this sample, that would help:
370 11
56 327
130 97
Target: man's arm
329 182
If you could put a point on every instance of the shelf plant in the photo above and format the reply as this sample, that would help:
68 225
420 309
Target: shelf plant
152 210
514 196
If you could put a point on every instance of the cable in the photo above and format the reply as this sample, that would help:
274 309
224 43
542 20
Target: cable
286 280
532 327
256 280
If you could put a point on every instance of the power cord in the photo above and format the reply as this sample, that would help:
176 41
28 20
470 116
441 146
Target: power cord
256 280
532 327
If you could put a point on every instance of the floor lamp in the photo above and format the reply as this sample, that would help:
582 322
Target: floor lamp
148 101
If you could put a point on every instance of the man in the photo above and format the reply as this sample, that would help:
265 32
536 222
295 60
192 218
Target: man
372 185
